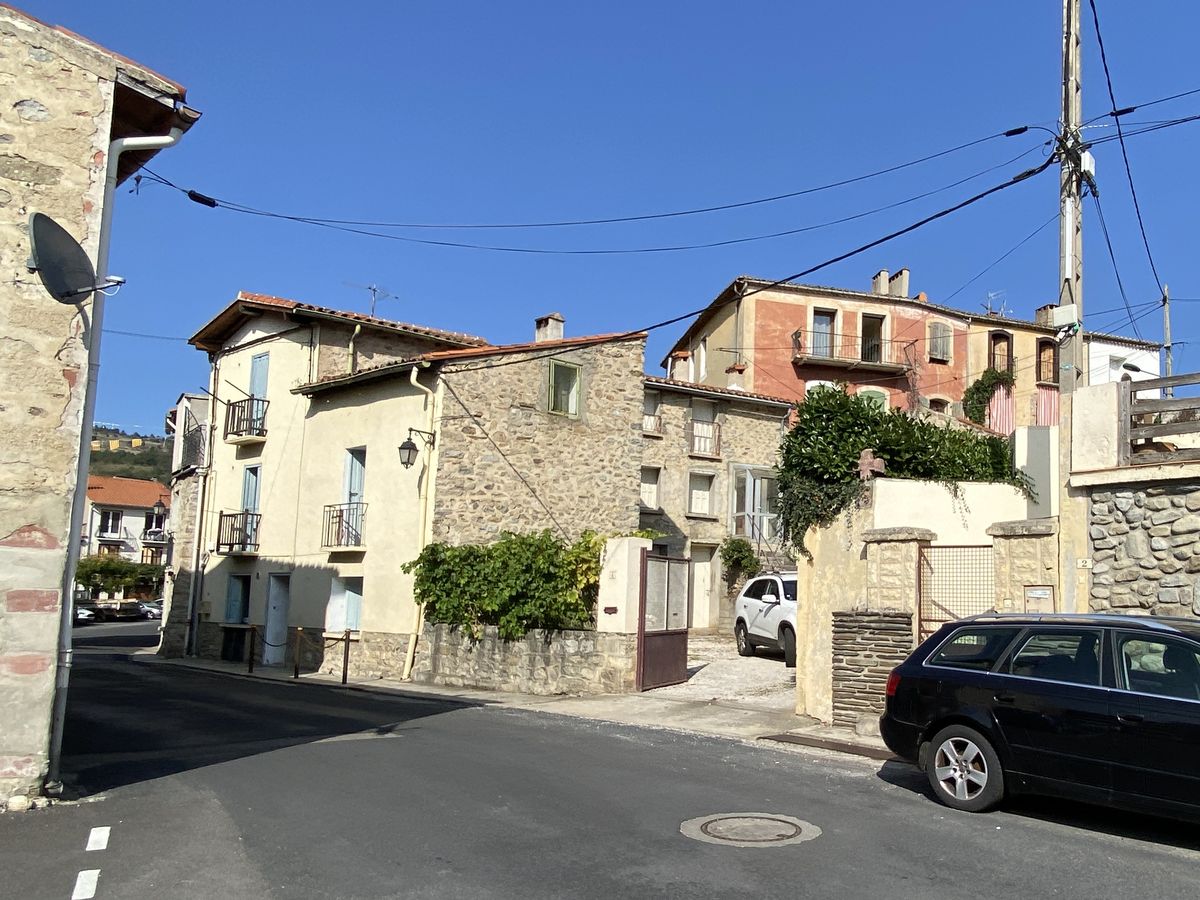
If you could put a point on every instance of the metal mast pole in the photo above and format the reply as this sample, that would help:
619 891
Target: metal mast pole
1074 368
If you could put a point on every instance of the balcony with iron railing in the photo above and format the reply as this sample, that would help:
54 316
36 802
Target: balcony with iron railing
154 536
343 527
246 421
237 533
704 438
850 351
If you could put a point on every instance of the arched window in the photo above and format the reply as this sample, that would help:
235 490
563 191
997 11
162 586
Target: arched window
1047 361
1000 347
878 398
939 405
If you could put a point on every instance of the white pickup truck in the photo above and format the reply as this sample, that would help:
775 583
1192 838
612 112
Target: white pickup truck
765 615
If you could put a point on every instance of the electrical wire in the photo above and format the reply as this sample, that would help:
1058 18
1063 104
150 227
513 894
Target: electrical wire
566 223
1113 258
612 251
1021 243
1124 151
1117 113
138 334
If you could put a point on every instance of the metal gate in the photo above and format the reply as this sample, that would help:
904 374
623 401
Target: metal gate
953 583
662 621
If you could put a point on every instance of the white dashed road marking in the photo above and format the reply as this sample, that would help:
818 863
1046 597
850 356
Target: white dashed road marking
85 884
98 839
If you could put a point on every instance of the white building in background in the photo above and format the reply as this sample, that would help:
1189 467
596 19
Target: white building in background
127 517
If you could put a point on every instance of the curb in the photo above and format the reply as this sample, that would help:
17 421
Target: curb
811 740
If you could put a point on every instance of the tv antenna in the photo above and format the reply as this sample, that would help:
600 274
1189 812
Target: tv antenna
377 293
62 264
990 299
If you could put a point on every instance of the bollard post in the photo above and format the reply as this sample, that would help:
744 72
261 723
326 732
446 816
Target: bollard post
296 655
250 653
346 656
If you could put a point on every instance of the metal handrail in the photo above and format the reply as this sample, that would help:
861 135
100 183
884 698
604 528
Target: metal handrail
849 347
344 524
238 532
246 418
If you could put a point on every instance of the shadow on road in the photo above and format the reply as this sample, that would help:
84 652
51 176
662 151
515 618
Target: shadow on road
1061 812
130 721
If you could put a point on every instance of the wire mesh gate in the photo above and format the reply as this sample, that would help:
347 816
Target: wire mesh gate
953 583
662 621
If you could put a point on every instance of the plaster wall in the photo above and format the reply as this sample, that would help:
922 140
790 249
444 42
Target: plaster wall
961 521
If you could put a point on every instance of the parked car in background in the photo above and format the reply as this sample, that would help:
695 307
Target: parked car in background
1100 708
84 616
152 609
765 615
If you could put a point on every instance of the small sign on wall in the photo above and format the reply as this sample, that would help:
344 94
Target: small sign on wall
1039 598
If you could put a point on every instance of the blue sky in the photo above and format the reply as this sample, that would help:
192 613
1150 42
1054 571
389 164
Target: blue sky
532 111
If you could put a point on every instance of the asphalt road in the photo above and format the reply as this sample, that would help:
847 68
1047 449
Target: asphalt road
213 786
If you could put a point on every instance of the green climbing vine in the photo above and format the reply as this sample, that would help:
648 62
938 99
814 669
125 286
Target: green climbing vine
977 397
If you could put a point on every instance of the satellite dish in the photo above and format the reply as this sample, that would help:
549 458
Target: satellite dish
61 263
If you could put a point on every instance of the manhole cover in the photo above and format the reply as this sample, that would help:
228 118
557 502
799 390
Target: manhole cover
749 829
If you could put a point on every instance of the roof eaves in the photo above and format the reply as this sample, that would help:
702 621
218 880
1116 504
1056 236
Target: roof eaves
708 390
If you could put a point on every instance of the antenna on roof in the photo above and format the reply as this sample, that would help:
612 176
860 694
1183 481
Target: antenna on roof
377 293
990 298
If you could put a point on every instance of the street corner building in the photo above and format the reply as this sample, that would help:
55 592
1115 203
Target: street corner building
66 102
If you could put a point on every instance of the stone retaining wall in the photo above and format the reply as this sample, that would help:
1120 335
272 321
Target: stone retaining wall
1146 549
867 645
542 662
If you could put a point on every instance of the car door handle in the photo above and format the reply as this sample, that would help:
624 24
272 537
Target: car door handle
1005 698
1130 719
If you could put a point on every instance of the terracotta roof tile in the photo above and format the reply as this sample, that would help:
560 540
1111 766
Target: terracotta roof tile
732 393
113 490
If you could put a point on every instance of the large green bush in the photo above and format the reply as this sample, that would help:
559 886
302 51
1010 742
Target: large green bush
519 583
818 469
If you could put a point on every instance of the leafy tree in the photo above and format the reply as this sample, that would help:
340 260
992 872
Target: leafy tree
818 470
114 573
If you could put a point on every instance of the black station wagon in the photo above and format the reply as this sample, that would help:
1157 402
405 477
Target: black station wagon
1099 708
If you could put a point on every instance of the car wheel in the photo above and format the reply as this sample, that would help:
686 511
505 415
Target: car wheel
787 638
744 647
963 770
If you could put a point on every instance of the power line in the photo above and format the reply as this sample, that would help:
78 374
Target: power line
1124 152
1113 258
1021 243
565 223
1117 113
233 207
153 337
1016 179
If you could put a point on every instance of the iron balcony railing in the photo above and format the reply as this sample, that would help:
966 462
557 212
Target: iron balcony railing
192 453
237 532
704 438
652 423
344 524
850 350
154 536
246 418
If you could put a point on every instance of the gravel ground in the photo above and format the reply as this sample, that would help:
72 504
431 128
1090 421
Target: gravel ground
718 673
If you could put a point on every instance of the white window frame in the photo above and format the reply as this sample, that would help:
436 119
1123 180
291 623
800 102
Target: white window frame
874 391
115 518
574 398
651 488
710 506
702 350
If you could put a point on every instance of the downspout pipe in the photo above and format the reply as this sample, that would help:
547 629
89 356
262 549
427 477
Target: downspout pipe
79 501
423 522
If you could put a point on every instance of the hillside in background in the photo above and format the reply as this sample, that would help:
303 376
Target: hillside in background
130 455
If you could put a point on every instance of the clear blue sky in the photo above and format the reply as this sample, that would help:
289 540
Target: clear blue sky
533 111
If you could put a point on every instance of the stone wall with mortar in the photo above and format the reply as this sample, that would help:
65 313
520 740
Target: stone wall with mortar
515 466
867 645
542 662
1146 549
372 348
185 497
56 113
1025 554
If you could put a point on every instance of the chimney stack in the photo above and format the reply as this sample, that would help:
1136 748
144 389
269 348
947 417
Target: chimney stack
879 284
548 328
897 285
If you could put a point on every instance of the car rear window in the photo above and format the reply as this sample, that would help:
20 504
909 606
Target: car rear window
789 589
973 648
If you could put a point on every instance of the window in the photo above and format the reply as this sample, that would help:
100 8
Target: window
650 487
1047 361
1159 666
703 358
757 588
877 398
872 338
939 342
651 414
237 599
700 501
973 648
155 522
1071 656
355 476
564 388
1000 355
152 556
755 505
110 521
259 364
939 405
822 336
344 612
810 386
109 550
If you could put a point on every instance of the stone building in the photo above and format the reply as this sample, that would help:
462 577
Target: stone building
188 424
708 473
69 106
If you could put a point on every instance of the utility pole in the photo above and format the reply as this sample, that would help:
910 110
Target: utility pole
1167 335
1073 366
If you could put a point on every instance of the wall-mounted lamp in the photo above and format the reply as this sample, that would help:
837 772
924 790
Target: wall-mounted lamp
408 450
159 508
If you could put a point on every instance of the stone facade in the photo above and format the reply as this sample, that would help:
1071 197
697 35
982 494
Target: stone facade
1025 554
60 99
1146 549
185 498
542 662
528 469
867 645
371 348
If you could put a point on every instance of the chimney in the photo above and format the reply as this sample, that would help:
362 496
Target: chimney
1042 314
548 328
897 285
677 367
879 284
921 297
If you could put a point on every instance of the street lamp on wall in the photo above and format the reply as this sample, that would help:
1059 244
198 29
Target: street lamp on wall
159 509
409 449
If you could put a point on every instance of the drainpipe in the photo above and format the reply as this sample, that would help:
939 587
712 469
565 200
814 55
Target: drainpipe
422 522
353 358
78 501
